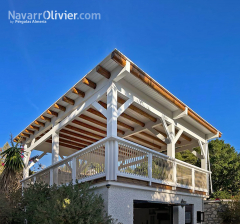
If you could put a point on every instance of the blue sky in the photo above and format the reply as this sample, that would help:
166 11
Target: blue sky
190 47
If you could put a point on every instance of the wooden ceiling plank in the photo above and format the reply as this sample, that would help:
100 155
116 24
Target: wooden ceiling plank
74 139
89 127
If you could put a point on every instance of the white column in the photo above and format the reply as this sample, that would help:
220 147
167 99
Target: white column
171 146
55 156
26 157
111 160
74 169
204 162
112 111
178 215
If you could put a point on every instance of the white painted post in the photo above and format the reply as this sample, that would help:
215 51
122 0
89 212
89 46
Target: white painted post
74 170
193 180
51 177
112 111
111 148
171 145
150 168
26 157
174 175
204 161
55 155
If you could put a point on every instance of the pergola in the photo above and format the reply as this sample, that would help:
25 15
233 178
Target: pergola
117 99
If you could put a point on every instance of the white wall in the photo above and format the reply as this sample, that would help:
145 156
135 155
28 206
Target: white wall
119 201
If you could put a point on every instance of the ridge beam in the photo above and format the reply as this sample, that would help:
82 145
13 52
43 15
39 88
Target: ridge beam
179 113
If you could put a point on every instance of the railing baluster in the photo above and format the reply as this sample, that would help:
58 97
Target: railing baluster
150 168
74 169
193 180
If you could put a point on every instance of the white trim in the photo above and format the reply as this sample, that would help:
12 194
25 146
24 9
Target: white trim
124 107
39 157
100 108
180 114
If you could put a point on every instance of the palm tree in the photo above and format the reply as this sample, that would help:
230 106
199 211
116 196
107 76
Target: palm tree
13 164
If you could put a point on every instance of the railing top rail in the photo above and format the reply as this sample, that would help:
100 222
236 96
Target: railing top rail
100 142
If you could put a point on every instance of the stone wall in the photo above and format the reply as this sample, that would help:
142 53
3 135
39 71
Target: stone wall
211 212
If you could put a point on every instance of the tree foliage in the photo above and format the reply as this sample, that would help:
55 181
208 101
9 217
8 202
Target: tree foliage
13 165
63 205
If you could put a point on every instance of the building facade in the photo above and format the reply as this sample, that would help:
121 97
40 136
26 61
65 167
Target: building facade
120 129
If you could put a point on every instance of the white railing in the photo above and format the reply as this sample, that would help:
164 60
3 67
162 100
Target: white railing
85 165
133 161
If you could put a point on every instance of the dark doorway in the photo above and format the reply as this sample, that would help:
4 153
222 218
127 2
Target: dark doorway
152 213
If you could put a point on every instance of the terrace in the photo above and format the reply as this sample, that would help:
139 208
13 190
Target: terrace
117 124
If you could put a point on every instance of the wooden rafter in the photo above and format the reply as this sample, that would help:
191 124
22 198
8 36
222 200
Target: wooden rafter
60 107
78 92
137 110
68 100
144 141
65 145
25 135
71 143
89 83
29 131
103 71
53 113
84 132
152 137
86 138
124 115
98 123
45 118
80 123
74 139
34 127
39 123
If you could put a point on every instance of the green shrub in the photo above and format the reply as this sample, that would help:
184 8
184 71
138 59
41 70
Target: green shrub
66 204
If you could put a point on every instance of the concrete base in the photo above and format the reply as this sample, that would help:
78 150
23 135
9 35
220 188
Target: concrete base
119 199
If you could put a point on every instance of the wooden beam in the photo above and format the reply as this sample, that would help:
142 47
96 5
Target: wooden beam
29 131
17 139
45 118
78 135
74 139
98 123
103 71
97 113
89 127
53 113
84 132
124 115
137 110
71 143
25 135
60 107
78 92
65 145
144 141
152 137
68 100
34 127
89 83
39 123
